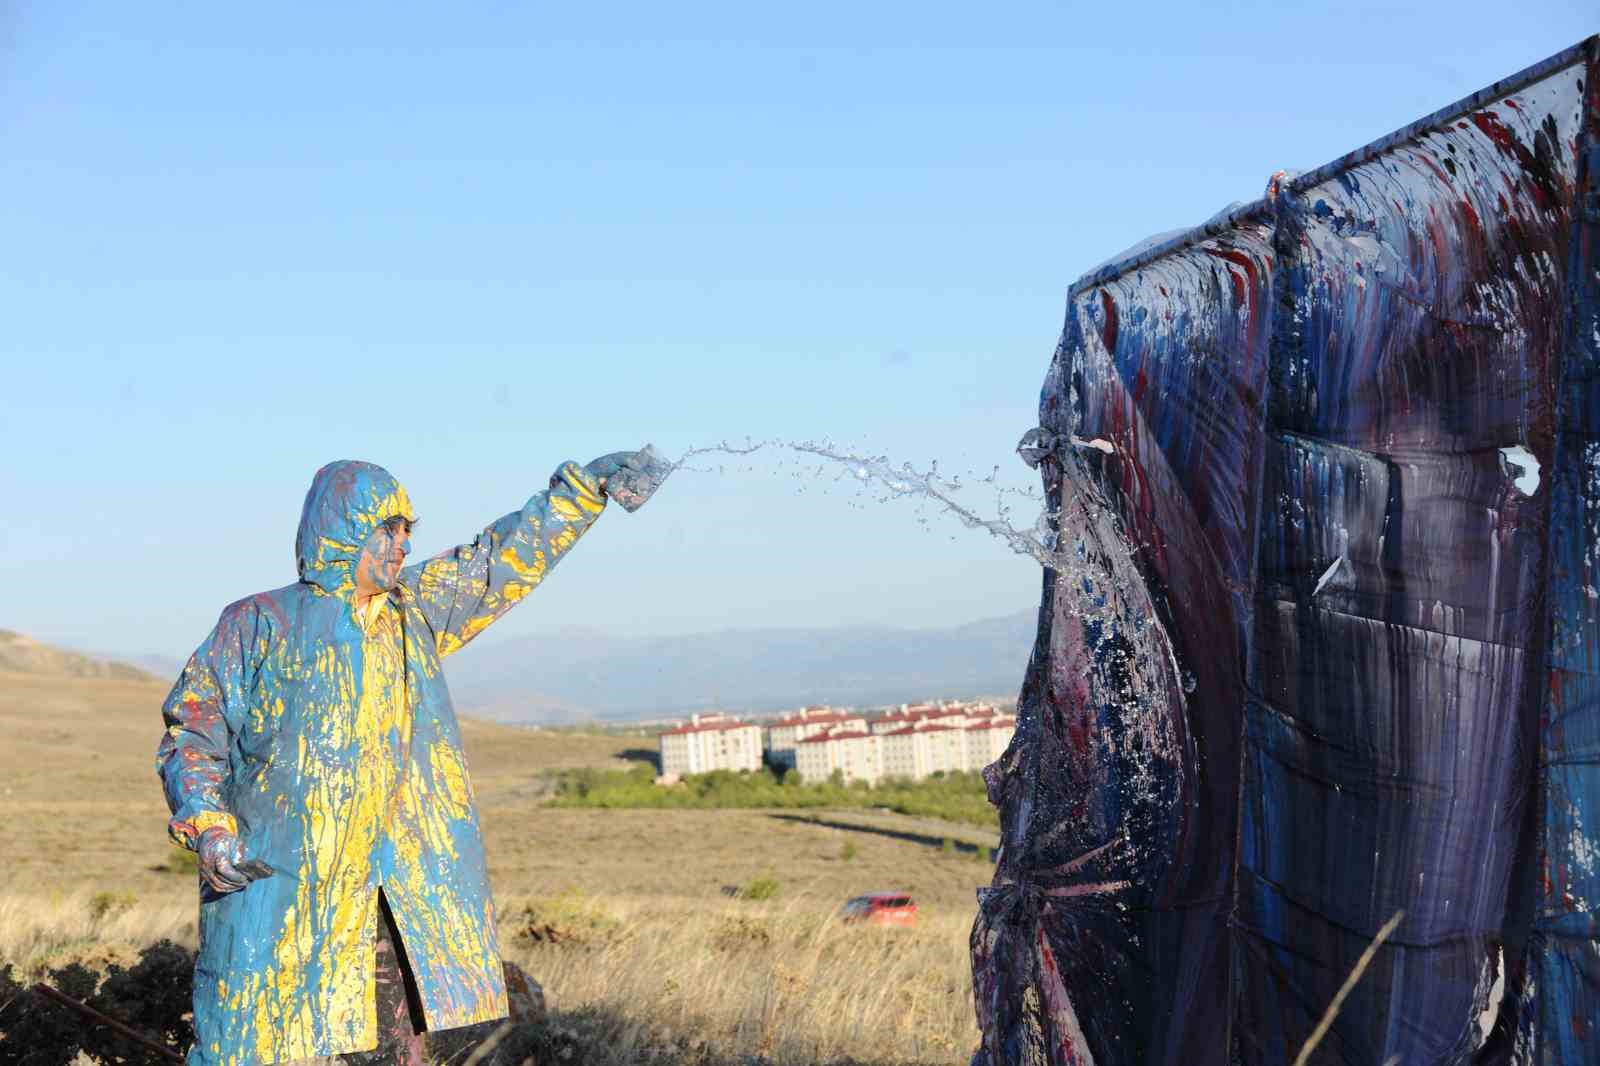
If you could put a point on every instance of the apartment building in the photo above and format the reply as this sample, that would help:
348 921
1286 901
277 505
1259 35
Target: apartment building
959 715
856 753
939 744
987 739
786 732
710 742
918 750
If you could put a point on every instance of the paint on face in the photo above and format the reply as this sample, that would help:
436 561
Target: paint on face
383 554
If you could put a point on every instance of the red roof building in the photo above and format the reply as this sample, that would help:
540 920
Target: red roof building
710 742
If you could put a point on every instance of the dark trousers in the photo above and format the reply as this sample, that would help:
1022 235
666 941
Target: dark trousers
400 1022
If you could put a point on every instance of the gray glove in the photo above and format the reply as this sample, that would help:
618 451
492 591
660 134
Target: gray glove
630 478
222 867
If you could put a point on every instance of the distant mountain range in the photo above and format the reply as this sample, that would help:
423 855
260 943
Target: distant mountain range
576 675
24 655
583 674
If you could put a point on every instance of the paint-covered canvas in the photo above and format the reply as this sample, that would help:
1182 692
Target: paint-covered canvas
1327 647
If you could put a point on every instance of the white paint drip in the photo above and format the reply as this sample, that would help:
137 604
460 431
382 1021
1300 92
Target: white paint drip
1521 459
1497 993
1327 575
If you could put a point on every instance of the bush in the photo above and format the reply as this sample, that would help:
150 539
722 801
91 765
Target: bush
848 852
110 904
570 919
948 846
955 797
735 932
764 887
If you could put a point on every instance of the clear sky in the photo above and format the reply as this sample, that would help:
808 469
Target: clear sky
468 241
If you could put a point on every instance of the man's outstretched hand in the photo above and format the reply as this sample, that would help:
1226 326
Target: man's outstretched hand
630 478
221 866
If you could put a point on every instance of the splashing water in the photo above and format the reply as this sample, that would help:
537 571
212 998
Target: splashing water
1082 541
906 481
1123 681
1084 516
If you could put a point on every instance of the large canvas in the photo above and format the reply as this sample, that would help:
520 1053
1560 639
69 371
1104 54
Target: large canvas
1323 645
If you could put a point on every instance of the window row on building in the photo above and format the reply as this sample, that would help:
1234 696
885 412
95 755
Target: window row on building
910 742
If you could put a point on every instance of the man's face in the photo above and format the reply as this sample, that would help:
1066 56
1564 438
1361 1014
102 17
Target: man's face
383 556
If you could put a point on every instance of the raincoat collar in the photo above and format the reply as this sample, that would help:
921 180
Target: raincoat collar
347 500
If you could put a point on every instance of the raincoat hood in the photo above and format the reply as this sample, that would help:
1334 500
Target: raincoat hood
347 500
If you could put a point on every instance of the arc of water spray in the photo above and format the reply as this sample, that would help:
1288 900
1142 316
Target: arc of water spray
905 481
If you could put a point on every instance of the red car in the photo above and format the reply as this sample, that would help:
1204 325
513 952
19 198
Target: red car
881 908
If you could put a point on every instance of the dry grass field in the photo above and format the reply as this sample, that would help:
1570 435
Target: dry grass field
627 916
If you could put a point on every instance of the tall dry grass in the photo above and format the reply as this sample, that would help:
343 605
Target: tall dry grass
717 979
97 928
784 979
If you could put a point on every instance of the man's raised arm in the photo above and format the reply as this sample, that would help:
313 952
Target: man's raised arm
462 590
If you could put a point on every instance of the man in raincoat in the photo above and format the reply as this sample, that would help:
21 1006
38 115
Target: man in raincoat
313 761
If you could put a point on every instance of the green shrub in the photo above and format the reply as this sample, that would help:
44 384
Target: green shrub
948 846
764 887
569 919
110 904
848 852
956 797
735 932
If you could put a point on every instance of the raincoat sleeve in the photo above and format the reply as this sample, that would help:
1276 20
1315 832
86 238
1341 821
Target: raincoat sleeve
462 590
202 713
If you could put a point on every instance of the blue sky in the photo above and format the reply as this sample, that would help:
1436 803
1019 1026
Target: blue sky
470 242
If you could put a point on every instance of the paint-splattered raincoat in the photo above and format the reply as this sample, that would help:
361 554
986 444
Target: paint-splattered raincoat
334 753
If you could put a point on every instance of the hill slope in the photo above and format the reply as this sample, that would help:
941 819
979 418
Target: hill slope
21 654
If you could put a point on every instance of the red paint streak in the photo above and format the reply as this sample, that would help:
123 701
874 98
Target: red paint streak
1047 957
1078 736
1108 330
1489 123
1240 284
1238 259
1472 216
1513 148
